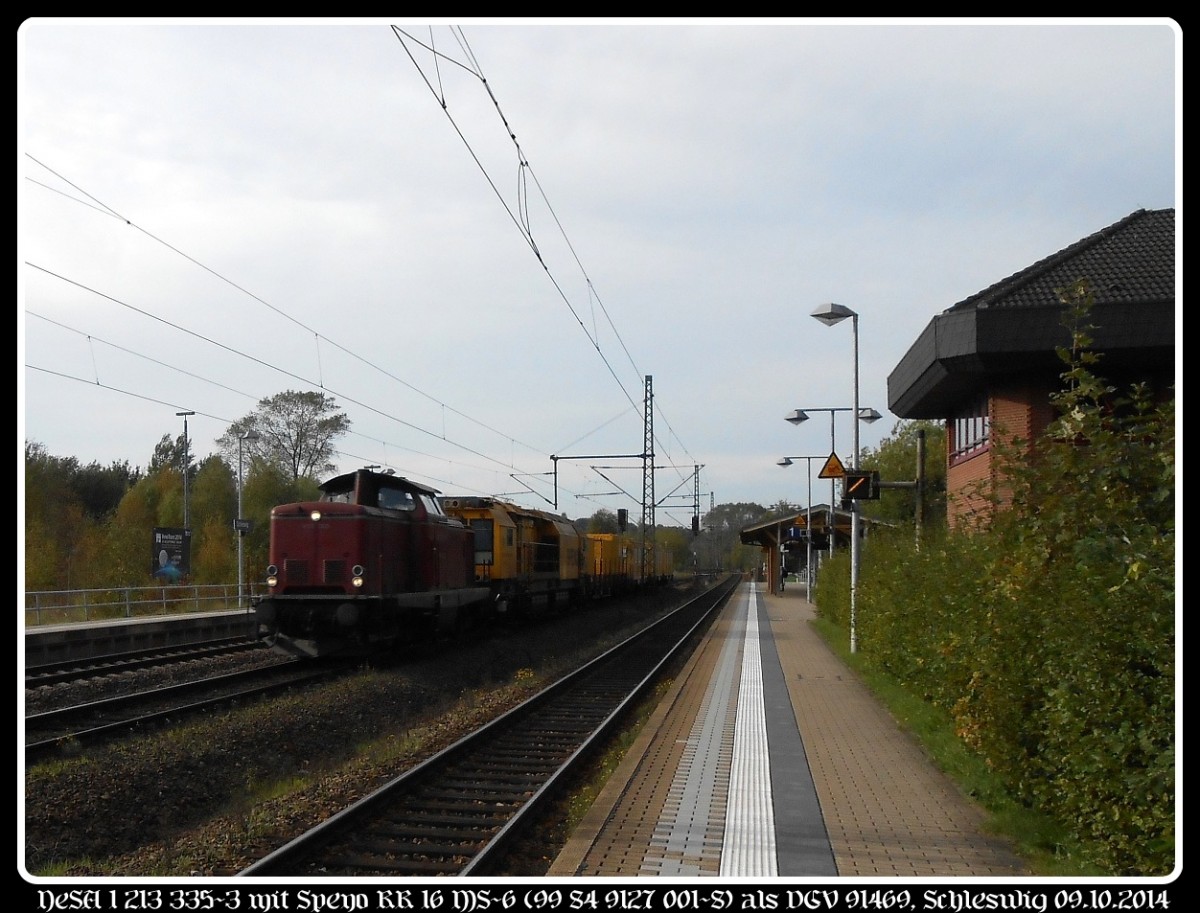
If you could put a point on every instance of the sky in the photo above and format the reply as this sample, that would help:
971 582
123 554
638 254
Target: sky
482 253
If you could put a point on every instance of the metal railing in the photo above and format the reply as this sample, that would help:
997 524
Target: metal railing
65 606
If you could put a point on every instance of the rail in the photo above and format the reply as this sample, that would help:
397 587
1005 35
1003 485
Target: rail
45 607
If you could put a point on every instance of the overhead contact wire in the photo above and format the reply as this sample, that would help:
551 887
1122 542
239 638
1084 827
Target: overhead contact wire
522 227
320 385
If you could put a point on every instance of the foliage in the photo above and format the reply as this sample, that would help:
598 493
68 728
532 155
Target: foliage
295 431
52 482
719 545
1049 635
213 494
896 461
80 535
214 551
89 527
602 521
676 542
169 454
65 508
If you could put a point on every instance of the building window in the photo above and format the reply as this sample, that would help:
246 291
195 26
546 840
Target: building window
970 430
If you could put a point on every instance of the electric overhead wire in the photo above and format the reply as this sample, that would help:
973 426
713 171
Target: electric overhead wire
281 313
128 351
319 384
527 168
251 396
522 220
103 386
523 164
265 364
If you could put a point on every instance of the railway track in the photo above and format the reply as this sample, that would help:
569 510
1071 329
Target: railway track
460 812
115 663
49 732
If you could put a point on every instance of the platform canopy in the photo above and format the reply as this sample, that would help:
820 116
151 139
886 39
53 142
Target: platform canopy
768 534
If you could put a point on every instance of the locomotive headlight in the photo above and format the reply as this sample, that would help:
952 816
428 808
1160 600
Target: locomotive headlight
272 575
357 575
315 515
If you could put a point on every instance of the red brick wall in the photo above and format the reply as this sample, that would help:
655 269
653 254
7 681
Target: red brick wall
1017 410
965 481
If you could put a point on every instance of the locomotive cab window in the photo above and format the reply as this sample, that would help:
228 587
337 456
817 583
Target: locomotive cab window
432 507
395 499
339 495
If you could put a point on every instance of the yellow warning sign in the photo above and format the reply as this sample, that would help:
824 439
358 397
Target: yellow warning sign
800 521
833 468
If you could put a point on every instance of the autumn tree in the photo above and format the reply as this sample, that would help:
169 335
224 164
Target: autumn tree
66 505
602 521
676 542
156 500
213 493
296 431
896 461
720 540
169 454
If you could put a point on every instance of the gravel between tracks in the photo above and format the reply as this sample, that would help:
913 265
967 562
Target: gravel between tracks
209 798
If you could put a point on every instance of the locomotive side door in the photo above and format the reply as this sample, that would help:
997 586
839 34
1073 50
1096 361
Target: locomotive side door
526 541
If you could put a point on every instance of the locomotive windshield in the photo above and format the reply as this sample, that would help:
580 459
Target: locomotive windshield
395 498
432 507
339 491
369 489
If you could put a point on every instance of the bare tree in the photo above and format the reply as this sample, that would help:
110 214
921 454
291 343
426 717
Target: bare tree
297 431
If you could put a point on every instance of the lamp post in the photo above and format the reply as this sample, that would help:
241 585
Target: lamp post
240 523
186 466
831 314
796 416
866 414
808 574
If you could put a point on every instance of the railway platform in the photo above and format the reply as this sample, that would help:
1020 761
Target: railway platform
769 758
87 640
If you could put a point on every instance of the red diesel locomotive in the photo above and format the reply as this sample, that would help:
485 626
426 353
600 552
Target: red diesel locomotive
374 561
380 560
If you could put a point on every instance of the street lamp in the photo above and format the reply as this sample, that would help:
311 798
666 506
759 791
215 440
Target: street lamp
867 414
186 465
831 314
808 573
796 416
240 523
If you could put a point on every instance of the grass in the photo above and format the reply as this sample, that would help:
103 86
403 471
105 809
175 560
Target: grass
1040 840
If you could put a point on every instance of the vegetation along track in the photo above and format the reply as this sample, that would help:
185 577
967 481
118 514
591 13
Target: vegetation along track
458 812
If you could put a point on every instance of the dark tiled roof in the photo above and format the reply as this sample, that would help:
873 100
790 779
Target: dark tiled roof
1131 261
1014 326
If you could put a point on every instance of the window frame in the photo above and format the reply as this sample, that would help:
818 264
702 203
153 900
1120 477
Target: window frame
970 430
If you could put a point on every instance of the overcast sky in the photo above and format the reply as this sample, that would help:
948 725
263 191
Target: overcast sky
214 212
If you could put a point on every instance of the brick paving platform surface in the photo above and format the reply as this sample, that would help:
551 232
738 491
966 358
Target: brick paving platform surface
886 810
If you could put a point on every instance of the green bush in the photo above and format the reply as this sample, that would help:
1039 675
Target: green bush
1049 636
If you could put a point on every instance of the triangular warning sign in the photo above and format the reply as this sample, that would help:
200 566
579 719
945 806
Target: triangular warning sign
833 468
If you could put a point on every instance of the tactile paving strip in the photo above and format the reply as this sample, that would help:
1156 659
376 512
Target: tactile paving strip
688 837
623 834
861 798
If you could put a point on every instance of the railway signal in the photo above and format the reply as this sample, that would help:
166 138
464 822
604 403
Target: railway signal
860 485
